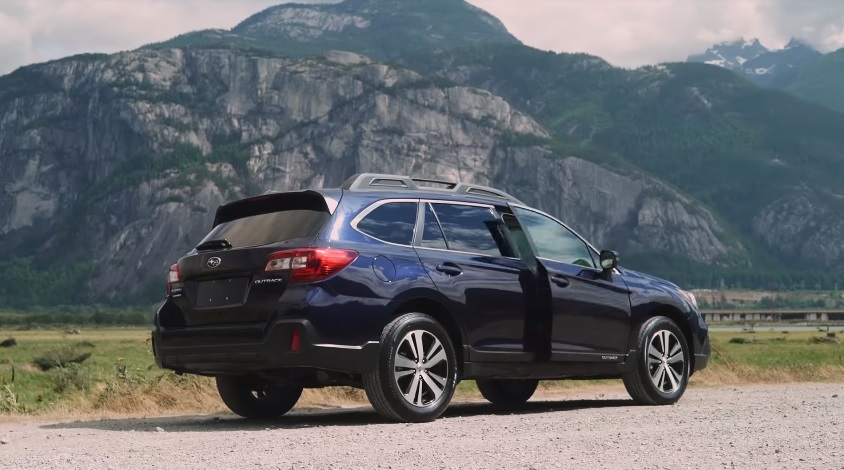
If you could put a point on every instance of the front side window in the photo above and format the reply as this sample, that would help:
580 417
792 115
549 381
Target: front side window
393 222
470 229
554 241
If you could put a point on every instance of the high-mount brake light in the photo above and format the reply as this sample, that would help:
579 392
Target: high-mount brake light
173 277
312 264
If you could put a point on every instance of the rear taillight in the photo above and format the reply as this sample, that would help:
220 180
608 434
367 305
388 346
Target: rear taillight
174 277
310 265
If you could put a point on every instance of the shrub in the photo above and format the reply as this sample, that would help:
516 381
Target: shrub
742 340
74 376
60 357
9 402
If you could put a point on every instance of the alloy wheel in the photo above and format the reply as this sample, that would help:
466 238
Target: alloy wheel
420 368
666 361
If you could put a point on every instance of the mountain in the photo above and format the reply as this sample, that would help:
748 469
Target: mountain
797 68
753 61
382 29
822 81
779 68
769 164
113 166
731 55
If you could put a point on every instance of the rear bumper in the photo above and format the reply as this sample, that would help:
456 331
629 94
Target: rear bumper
240 349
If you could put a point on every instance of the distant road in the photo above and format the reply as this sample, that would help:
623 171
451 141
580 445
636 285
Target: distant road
774 315
763 327
774 427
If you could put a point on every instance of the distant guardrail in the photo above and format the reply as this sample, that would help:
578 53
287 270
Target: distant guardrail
773 315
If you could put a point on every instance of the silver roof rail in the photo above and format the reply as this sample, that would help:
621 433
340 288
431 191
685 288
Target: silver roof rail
380 182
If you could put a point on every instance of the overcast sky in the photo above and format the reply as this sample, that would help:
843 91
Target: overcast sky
625 32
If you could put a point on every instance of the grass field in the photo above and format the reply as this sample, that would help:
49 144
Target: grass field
119 376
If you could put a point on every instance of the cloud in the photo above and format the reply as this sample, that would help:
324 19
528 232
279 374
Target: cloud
41 30
637 32
625 32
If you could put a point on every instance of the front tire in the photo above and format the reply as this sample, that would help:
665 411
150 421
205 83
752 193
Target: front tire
254 398
661 371
416 374
507 393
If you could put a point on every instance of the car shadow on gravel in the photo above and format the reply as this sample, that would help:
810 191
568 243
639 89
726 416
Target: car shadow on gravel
303 419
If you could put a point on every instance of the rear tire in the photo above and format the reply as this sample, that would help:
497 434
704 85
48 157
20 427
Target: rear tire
406 385
254 398
661 370
506 393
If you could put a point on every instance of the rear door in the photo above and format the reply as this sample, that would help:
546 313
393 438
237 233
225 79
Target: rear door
224 278
591 316
463 249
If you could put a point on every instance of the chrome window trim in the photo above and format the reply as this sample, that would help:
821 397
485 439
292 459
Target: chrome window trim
375 205
466 253
492 210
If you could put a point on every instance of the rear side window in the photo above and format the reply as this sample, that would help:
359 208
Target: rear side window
272 227
471 229
432 235
393 222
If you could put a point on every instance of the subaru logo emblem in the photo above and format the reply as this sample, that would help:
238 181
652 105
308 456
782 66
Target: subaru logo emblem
214 262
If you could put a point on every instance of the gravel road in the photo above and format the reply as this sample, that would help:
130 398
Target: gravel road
788 427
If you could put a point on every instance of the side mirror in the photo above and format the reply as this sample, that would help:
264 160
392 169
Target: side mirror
609 261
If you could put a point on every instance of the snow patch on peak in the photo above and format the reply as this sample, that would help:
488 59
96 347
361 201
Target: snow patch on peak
696 92
760 70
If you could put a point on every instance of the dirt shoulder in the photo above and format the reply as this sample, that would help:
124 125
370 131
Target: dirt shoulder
789 426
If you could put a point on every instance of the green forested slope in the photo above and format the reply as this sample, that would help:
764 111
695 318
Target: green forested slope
822 81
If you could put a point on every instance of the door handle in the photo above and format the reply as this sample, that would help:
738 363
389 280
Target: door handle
561 281
450 269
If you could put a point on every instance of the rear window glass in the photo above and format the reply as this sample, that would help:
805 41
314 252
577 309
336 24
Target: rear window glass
304 219
393 222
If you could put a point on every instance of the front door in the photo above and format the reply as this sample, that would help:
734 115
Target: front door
590 316
464 251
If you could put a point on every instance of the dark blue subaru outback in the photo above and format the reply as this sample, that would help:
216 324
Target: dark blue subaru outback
404 287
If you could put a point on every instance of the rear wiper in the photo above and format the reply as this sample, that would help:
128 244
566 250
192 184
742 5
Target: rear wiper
221 244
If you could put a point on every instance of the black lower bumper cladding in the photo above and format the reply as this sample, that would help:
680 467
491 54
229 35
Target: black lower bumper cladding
243 349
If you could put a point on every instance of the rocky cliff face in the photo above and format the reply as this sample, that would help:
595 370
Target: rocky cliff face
383 29
122 161
302 23
806 226
739 148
